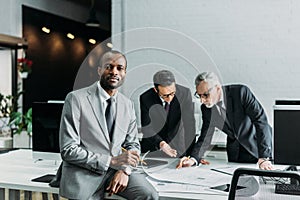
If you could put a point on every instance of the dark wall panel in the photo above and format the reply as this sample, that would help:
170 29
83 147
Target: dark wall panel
56 58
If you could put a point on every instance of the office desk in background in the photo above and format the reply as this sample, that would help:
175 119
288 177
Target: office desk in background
17 169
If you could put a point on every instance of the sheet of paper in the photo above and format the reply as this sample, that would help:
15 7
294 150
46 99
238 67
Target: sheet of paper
229 169
161 187
191 175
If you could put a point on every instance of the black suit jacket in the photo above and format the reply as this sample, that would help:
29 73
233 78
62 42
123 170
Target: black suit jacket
246 118
177 127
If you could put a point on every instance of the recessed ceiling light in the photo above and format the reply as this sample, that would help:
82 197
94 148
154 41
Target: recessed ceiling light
92 41
110 45
71 36
46 30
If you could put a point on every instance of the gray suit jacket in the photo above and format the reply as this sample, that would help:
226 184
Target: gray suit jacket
85 146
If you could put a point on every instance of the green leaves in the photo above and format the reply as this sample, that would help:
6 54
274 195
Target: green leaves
21 121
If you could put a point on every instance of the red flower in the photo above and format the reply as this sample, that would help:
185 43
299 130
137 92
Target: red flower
24 65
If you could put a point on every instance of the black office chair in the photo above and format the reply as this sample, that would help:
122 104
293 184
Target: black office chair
258 172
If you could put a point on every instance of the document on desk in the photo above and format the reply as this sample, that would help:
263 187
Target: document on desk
191 175
229 169
162 187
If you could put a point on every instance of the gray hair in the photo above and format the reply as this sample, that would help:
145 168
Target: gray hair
163 78
209 77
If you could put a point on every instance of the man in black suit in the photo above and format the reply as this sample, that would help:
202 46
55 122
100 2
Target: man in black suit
167 116
234 110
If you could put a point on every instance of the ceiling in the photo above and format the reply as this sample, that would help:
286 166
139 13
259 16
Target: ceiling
103 6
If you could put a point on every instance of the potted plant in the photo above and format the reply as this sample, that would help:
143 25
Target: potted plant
24 67
21 122
6 108
21 125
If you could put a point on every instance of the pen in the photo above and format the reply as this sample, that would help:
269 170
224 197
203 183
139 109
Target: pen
216 170
142 161
180 163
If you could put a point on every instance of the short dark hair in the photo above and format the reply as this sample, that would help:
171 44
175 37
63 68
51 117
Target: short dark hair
163 78
112 52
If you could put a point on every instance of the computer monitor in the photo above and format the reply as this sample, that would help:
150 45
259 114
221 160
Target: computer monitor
45 130
287 132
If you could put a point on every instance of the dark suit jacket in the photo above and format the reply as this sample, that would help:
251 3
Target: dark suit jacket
177 128
247 119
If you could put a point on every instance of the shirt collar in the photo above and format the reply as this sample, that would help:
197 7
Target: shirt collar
103 94
222 100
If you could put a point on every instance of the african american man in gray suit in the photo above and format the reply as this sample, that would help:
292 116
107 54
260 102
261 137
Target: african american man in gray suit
91 145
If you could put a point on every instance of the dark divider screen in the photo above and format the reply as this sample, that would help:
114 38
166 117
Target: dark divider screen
287 134
45 134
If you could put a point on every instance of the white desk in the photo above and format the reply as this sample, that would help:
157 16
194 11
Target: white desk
6 142
266 191
17 168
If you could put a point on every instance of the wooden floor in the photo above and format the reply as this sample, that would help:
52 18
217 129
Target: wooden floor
39 196
35 196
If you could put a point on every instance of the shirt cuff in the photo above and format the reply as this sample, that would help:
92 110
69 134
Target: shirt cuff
196 162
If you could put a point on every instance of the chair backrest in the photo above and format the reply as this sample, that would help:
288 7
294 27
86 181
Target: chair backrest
258 172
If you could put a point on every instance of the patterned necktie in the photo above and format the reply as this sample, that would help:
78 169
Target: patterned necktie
109 115
167 106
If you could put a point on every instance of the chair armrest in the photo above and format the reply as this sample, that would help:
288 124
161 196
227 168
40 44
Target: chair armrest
257 172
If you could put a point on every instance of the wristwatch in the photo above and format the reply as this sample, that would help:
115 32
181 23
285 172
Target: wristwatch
127 170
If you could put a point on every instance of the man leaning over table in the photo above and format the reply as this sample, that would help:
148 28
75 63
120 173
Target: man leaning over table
234 110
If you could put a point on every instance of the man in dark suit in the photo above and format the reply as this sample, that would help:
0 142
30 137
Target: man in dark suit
167 116
97 122
234 110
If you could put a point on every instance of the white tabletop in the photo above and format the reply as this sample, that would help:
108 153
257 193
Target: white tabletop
17 169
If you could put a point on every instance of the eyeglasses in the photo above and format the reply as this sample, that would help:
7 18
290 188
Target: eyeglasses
165 96
204 95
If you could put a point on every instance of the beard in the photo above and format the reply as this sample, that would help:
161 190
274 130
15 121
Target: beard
107 84
209 105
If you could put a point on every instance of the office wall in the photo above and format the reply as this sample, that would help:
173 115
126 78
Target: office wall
251 42
11 22
5 75
56 58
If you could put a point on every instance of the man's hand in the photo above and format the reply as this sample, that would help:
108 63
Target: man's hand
167 149
126 158
118 183
204 162
265 164
185 162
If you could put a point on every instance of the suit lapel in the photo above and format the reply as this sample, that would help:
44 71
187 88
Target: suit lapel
95 103
229 108
157 100
118 121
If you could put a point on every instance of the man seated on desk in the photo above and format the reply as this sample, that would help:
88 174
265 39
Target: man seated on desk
234 110
97 123
167 117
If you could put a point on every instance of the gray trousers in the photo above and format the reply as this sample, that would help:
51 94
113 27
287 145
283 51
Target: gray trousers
138 188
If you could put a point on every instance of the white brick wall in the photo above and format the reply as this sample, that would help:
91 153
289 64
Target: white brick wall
252 42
